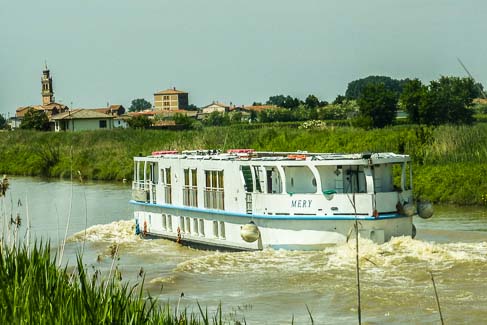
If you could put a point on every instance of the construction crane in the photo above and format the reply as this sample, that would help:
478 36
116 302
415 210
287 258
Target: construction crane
470 75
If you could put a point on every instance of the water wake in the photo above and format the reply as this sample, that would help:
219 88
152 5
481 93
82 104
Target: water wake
399 253
116 232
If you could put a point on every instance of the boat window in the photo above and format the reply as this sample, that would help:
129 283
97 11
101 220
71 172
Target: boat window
383 180
273 180
190 188
215 229
222 229
247 177
257 179
214 191
202 227
169 222
153 173
166 182
188 225
328 177
299 179
181 224
354 179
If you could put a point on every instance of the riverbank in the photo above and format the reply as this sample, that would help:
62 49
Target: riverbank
449 161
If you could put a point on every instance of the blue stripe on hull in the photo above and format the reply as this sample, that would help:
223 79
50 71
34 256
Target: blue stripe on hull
270 217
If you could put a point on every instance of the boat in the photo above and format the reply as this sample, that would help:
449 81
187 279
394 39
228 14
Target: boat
244 199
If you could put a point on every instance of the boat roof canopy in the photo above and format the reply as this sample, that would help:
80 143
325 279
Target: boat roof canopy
291 157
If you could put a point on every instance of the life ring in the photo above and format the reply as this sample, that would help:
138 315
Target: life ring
297 157
145 228
178 240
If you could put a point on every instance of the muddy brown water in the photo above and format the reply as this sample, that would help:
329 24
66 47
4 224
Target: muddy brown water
270 286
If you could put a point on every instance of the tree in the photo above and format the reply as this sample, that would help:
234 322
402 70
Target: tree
236 117
377 105
139 104
312 101
3 122
217 119
35 120
355 88
139 122
340 99
192 107
410 99
448 100
284 101
183 120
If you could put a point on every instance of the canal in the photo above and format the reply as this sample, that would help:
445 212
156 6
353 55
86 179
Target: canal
270 286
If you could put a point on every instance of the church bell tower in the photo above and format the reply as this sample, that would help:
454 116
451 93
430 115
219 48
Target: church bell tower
47 91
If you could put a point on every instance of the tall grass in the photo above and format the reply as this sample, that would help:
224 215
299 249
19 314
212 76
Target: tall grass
445 151
35 291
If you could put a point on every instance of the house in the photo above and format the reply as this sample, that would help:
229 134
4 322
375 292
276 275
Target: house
81 120
121 121
170 100
115 110
215 107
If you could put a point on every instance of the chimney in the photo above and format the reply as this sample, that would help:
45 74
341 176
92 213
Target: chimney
174 88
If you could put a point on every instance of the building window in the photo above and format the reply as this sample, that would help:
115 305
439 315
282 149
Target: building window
190 188
103 124
214 198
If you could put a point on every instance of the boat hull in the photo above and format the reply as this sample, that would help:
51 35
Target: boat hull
222 229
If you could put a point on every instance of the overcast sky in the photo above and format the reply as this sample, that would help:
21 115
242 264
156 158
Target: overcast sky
230 50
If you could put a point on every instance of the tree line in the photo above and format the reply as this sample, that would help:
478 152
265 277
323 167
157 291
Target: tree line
371 102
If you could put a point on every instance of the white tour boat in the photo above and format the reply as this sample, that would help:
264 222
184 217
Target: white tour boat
249 200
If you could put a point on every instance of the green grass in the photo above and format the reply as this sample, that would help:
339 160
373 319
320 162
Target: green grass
35 291
447 153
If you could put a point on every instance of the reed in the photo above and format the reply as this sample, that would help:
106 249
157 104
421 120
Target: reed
35 291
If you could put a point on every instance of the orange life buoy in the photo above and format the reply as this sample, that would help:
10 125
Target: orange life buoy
297 157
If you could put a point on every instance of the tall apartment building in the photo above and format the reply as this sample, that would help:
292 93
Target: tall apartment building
170 100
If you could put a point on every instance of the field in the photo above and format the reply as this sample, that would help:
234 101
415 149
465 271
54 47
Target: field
449 161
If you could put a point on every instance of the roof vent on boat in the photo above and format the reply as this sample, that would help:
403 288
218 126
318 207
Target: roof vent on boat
366 155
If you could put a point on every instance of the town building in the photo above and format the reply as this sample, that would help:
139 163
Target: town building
82 120
171 100
49 105
216 107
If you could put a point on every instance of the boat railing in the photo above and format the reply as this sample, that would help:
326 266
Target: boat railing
190 196
142 191
214 199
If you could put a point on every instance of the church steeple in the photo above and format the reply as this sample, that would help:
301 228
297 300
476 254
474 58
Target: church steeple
47 90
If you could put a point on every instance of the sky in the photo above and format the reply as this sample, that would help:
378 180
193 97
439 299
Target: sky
113 51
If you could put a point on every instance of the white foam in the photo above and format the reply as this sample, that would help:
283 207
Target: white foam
122 231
